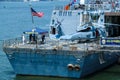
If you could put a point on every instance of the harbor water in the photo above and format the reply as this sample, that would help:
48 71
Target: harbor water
15 17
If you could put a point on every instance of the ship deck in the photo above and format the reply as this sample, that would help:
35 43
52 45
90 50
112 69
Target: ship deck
49 44
56 44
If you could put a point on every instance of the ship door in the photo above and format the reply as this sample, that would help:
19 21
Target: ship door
53 30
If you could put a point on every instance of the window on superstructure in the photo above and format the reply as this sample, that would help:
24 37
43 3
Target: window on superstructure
60 13
70 13
65 13
53 30
85 18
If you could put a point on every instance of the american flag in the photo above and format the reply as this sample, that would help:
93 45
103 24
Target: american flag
34 13
75 0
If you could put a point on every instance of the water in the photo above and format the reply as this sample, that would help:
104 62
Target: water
15 17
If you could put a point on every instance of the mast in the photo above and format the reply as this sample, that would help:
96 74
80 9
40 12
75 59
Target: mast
31 13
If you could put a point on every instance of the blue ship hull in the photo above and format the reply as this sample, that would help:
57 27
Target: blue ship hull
55 63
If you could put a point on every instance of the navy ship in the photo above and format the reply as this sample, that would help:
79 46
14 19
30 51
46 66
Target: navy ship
81 40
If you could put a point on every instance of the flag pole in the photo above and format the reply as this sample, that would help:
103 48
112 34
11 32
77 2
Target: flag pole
31 13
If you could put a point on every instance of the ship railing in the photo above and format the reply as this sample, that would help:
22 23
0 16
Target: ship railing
17 42
91 7
102 7
50 44
12 42
53 44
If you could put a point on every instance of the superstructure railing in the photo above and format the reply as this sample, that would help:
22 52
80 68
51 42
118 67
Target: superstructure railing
90 7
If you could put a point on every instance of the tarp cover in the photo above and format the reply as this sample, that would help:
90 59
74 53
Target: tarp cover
35 30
